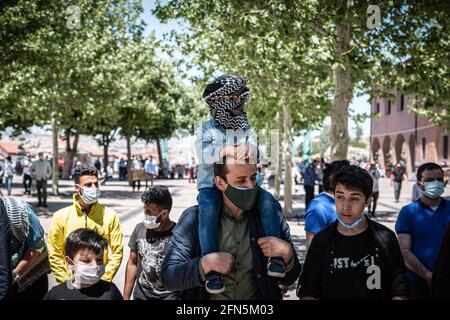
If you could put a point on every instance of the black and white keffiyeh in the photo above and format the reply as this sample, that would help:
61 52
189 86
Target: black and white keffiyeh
221 109
18 217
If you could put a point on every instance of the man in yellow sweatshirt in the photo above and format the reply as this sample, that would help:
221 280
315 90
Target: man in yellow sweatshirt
85 212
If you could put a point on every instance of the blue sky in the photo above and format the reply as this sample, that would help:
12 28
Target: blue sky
153 23
359 104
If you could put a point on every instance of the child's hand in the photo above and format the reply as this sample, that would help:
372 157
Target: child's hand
252 153
241 151
247 151
228 151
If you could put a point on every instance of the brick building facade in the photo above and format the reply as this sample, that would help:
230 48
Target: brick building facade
400 135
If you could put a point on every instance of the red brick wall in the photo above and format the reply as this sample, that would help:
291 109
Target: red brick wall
403 123
395 121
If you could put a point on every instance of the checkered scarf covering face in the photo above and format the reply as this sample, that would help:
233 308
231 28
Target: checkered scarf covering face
220 109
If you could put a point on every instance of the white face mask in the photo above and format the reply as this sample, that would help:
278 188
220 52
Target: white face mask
150 222
90 195
87 275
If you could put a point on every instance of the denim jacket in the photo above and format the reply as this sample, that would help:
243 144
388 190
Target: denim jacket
211 138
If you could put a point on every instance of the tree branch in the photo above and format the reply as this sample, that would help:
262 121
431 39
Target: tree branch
319 29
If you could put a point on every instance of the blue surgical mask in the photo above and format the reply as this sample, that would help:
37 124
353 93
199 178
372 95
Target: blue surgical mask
90 195
433 189
349 225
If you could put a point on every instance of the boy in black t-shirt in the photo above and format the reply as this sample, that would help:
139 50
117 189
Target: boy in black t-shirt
354 258
84 249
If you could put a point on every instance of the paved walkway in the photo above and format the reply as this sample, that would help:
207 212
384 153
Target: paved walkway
119 196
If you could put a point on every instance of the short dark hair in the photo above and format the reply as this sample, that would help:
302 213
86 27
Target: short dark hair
329 172
158 195
84 239
84 170
354 178
427 166
221 167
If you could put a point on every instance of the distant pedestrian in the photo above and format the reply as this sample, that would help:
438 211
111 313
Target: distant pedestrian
179 170
397 177
122 169
108 174
98 165
27 178
151 171
136 169
191 171
375 174
309 181
301 169
319 173
417 192
8 173
41 171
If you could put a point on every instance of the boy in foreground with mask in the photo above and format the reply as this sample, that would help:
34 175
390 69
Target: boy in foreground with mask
84 249
85 212
228 134
149 244
354 258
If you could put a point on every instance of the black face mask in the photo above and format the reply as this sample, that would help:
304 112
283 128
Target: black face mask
242 198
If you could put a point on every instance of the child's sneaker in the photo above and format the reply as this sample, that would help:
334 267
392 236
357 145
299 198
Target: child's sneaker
275 268
214 283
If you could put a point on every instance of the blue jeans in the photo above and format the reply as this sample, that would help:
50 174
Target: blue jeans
210 205
8 183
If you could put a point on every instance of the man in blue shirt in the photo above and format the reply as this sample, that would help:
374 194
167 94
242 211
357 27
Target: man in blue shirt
151 171
420 228
322 210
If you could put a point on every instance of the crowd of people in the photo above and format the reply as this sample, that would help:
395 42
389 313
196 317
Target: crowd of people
40 170
236 243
